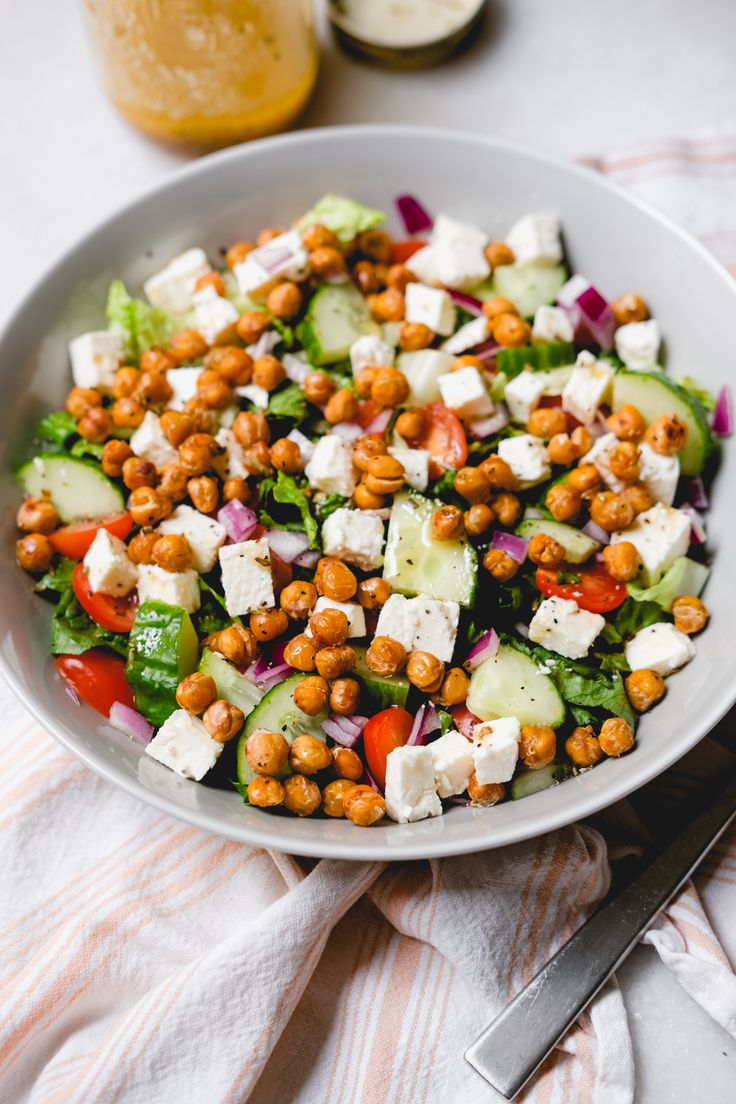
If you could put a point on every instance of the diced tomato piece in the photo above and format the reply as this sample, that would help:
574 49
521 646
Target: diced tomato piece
115 614
74 540
464 720
385 731
403 250
596 591
443 438
97 677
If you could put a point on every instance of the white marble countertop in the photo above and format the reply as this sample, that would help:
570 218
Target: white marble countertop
570 78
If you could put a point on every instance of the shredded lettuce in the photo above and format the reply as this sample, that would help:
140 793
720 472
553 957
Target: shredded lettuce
345 217
704 397
289 402
685 576
284 505
55 429
72 630
140 324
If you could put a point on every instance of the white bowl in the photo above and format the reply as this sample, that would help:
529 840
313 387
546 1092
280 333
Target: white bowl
618 243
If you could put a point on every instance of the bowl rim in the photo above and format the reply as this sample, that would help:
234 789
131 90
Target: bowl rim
267 837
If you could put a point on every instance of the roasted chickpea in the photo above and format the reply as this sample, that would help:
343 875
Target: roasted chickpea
236 644
624 462
138 472
204 493
311 694
197 453
644 688
114 455
223 721
36 515
582 747
196 692
216 395
638 496
363 806
498 253
545 551
390 387
486 794
231 363
301 795
266 752
467 360
172 552
547 421
376 244
267 624
125 382
582 439
333 795
265 793
156 359
498 473
478 519
398 276
454 688
342 406
615 736
366 277
347 764
495 307
473 484
561 449
268 233
448 523
153 389
537 746
334 579
626 422
286 456
425 671
387 306
317 388
366 448
300 653
690 614
629 307
251 428
35 552
332 662
237 253
385 475
667 435
172 482
177 426
127 413
203 416
148 506
329 626
251 326
236 489
367 500
96 424
364 380
622 560
317 235
500 565
308 755
374 593
285 300
510 330
414 336
327 262
611 511
298 599
563 502
188 345
585 477
211 279
411 423
344 696
268 372
140 548
507 508
385 656
81 399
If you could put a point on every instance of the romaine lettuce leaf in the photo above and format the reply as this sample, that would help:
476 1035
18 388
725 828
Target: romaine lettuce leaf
345 217
140 324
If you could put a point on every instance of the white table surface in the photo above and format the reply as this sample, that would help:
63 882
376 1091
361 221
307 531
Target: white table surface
572 78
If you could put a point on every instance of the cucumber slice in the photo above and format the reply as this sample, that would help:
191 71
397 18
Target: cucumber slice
76 488
527 286
653 394
163 649
382 692
510 684
578 547
555 379
529 782
416 563
231 685
422 369
336 317
276 712
542 357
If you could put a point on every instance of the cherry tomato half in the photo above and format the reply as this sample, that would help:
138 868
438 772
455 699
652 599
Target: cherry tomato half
115 614
443 438
597 591
74 540
464 720
368 411
98 677
385 731
403 250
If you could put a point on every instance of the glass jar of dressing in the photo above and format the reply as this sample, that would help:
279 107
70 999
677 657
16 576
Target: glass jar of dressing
205 73
404 33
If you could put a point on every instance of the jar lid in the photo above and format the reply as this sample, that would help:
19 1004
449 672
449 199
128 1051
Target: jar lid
405 34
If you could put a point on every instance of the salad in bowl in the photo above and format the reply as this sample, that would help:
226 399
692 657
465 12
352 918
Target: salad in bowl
369 526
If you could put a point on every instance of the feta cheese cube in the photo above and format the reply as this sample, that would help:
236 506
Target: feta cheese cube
213 314
560 625
231 463
467 337
184 745
526 455
659 474
370 351
454 256
183 383
600 456
535 239
659 647
398 619
354 536
660 535
588 386
522 395
464 392
172 288
150 442
205 535
352 610
637 343
410 787
95 358
496 750
330 468
177 588
552 324
453 231
306 447
254 393
284 256
246 576
421 624
416 465
109 571
431 307
452 759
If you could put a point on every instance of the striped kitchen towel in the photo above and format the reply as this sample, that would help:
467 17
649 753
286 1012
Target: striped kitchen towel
145 961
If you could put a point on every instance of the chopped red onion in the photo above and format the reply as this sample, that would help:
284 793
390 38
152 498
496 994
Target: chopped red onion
379 423
370 781
416 218
485 649
272 257
72 693
484 427
265 344
384 513
487 351
723 414
286 544
296 369
533 512
130 722
599 557
588 309
696 493
307 559
265 677
513 546
596 533
425 721
698 534
349 431
237 520
339 734
467 302
569 293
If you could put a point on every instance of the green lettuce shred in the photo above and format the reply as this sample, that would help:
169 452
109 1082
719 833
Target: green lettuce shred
141 325
345 217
